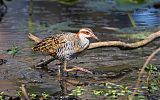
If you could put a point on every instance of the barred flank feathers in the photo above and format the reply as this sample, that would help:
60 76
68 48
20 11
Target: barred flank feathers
45 46
61 46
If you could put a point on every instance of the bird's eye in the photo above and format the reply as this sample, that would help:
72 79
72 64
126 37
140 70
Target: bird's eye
87 33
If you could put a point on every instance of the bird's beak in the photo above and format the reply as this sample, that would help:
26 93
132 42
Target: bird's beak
95 37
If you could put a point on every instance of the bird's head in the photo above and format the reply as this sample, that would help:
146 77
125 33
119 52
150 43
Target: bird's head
86 32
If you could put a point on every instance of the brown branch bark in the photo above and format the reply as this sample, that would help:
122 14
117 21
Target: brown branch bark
119 44
123 45
34 38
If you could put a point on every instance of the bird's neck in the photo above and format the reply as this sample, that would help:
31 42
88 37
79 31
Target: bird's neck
84 42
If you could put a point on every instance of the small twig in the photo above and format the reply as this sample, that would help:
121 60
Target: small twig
142 70
24 92
44 63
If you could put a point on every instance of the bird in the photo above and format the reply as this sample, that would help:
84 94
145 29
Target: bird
66 46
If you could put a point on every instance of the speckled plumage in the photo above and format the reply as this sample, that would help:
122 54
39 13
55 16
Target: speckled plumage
66 46
63 46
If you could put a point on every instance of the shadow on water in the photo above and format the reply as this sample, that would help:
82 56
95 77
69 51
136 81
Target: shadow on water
3 9
46 16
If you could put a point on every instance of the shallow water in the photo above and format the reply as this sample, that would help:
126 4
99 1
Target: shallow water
108 64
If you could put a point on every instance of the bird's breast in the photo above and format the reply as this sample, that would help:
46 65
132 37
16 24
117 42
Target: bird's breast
84 44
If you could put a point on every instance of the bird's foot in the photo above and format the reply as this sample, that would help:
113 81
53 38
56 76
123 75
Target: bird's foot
78 69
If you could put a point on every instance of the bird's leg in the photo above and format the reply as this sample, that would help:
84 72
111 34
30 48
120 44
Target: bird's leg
65 65
65 68
75 69
59 72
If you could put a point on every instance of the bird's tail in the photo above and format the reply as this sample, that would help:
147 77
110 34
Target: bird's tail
36 48
44 63
34 38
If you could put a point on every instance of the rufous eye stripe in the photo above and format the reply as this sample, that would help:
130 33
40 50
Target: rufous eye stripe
86 29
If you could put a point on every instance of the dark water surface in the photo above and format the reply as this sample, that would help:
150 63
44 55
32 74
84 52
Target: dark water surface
109 64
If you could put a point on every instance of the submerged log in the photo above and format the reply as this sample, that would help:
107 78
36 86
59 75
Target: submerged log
119 44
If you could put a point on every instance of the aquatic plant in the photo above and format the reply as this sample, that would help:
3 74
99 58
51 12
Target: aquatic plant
33 96
1 95
120 5
68 2
77 91
152 86
45 95
57 27
140 35
13 50
110 90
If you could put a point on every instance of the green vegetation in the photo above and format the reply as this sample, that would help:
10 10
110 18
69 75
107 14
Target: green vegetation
120 5
77 91
68 2
111 90
1 95
131 1
33 96
46 27
140 35
45 95
152 85
13 50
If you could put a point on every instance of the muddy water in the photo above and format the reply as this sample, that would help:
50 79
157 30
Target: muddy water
108 64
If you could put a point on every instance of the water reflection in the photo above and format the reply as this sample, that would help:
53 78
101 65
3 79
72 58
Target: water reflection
94 14
3 9
147 17
66 84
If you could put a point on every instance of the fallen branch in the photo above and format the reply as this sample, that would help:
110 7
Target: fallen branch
142 71
24 92
127 46
119 44
44 63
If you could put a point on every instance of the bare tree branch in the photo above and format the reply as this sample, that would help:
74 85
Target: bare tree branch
123 45
119 44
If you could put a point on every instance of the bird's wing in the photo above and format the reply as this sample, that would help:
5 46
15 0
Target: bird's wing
51 44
